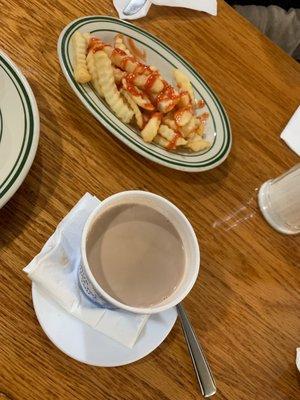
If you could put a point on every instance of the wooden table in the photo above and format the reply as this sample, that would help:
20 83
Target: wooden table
245 304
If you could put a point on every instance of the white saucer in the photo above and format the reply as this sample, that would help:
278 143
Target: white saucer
85 344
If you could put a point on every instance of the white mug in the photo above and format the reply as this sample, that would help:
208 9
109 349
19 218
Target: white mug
190 244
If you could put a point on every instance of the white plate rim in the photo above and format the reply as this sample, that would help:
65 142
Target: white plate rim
21 83
143 149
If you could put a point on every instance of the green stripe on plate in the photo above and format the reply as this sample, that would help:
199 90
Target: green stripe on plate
1 125
28 128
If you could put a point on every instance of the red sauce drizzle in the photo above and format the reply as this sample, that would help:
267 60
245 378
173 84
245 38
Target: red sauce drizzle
178 114
161 95
125 60
150 81
131 88
142 69
119 51
203 117
184 94
156 114
130 85
171 94
168 94
130 78
172 143
95 44
149 106
200 104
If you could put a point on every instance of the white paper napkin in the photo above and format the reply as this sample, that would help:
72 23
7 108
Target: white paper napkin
55 270
298 358
291 133
209 6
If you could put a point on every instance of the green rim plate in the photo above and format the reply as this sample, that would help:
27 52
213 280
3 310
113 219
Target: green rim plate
19 128
165 59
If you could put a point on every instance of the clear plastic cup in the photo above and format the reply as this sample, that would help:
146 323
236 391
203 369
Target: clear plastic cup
279 201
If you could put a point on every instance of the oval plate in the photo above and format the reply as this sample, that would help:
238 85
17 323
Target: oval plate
19 128
165 59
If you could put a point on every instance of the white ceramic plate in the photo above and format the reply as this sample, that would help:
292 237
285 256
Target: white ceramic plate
19 128
165 59
85 344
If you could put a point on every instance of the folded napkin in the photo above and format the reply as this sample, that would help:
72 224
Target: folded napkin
55 271
291 133
298 358
209 6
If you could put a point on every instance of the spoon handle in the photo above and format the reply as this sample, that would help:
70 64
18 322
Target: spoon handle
133 7
202 369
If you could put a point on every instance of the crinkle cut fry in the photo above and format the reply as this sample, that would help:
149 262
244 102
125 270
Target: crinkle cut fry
171 136
137 112
81 73
107 84
92 70
151 128
120 44
196 143
184 83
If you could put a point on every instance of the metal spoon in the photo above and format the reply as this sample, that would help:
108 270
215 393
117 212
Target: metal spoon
133 6
202 369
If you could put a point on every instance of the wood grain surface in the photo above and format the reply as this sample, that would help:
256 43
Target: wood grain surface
245 304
